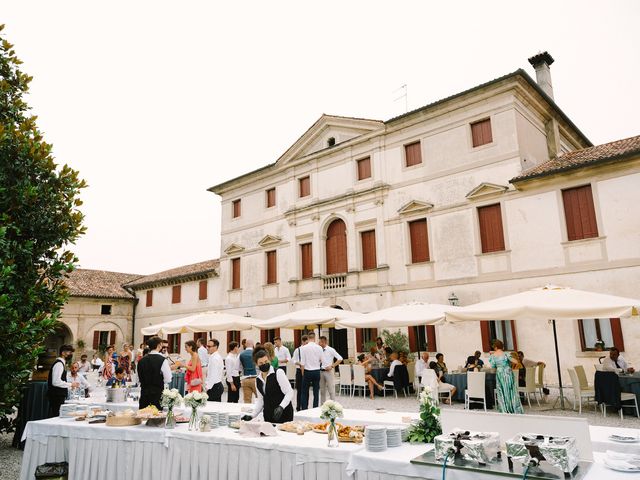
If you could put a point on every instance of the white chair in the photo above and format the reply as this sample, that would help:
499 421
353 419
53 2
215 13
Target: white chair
291 372
582 378
530 385
578 392
411 369
389 383
475 390
430 379
359 381
345 379
624 397
444 393
540 380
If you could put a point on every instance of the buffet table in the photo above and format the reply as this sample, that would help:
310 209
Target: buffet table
360 417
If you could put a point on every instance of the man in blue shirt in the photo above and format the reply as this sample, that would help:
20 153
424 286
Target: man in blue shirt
248 377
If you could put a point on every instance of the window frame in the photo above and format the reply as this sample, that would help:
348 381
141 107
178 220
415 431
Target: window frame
268 198
480 122
359 162
405 156
302 263
176 294
366 266
307 179
149 298
106 309
413 255
616 334
271 276
202 290
236 262
485 333
236 208
483 233
590 210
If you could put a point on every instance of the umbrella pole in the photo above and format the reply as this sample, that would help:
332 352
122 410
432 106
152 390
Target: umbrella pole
555 341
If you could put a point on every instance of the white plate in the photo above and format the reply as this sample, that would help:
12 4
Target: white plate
618 469
623 440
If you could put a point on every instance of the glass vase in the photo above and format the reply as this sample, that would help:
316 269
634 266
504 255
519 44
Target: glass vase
332 434
194 419
170 422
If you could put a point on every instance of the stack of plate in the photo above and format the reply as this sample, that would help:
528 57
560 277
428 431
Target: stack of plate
234 417
405 434
394 437
223 419
375 438
213 419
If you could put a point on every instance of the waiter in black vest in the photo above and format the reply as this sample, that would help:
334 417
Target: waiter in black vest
153 374
57 384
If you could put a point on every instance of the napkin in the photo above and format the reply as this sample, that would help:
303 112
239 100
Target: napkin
256 429
623 461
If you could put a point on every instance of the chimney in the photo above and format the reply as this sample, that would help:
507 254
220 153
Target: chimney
541 63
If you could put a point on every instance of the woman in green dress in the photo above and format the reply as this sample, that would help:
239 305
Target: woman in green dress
508 397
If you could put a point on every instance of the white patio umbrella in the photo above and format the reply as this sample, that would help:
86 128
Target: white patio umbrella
550 302
300 319
201 322
406 315
177 325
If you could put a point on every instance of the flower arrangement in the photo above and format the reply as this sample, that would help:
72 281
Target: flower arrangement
169 399
331 410
195 400
428 427
599 345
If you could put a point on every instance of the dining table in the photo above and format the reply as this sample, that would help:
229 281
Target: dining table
459 380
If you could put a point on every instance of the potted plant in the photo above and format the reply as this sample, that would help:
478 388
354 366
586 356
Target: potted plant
599 345
428 427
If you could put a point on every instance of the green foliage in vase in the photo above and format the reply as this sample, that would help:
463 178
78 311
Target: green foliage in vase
39 219
428 427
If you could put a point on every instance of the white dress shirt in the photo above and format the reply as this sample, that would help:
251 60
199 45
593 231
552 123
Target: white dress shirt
165 369
204 355
84 367
329 355
311 356
233 367
421 366
56 374
284 384
296 357
80 379
611 365
214 370
99 363
283 354
392 367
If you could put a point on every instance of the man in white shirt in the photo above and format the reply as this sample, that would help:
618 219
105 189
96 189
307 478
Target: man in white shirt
615 361
330 360
214 385
58 386
203 355
84 366
154 374
97 363
76 376
283 354
421 365
233 367
310 364
296 359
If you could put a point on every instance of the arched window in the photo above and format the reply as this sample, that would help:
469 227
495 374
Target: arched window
337 247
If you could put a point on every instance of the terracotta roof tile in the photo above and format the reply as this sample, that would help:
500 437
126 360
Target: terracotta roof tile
175 274
83 282
613 151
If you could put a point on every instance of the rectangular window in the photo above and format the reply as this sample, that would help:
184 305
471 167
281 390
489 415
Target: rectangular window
369 261
579 213
233 336
149 298
174 343
271 197
305 186
504 330
481 132
202 335
272 268
103 338
422 338
364 337
203 288
306 260
105 310
235 273
413 154
491 232
176 294
419 241
364 168
236 208
607 330
269 335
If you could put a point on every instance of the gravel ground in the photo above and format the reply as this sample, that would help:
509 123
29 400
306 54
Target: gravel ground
10 458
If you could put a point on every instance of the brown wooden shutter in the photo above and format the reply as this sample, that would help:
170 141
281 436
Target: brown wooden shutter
237 208
112 337
229 337
369 260
336 247
263 335
616 333
432 345
579 212
419 241
297 338
413 154
149 298
481 132
364 168
271 197
305 186
514 336
413 341
583 343
235 273
359 342
203 289
176 294
485 332
491 232
272 268
306 260
96 339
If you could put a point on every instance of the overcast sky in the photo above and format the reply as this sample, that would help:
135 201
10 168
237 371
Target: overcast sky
154 102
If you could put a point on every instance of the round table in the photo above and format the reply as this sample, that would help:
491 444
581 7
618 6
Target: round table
380 374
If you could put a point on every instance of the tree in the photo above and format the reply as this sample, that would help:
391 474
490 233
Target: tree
39 220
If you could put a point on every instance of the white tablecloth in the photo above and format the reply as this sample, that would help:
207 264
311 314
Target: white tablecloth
105 453
99 400
359 417
601 443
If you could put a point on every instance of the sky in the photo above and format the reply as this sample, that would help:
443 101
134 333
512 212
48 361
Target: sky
154 102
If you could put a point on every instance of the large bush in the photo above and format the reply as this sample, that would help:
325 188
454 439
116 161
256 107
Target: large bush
39 219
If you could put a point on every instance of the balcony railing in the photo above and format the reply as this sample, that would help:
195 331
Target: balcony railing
333 282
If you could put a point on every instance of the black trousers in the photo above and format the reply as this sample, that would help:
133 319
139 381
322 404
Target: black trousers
215 392
298 390
54 405
150 398
233 397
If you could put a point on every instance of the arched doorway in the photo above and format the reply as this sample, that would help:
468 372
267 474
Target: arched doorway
338 338
336 247
61 336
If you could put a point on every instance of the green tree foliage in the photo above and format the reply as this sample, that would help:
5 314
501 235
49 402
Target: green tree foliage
39 219
397 341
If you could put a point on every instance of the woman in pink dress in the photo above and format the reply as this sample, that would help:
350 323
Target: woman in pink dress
193 378
108 367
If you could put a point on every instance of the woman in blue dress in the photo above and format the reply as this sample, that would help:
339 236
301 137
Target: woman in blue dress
506 387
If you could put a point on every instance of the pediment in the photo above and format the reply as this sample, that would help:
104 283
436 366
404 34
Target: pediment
485 189
233 249
317 136
270 240
415 206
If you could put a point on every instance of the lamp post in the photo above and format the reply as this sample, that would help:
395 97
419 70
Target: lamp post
454 301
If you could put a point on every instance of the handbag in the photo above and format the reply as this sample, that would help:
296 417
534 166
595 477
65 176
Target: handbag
195 382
